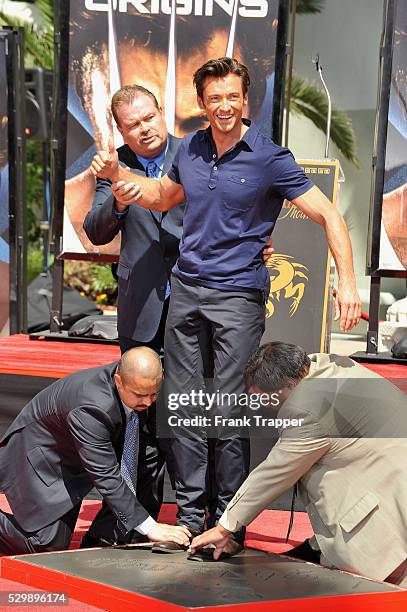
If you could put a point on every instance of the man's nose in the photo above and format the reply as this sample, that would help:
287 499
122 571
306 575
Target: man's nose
144 126
225 104
150 399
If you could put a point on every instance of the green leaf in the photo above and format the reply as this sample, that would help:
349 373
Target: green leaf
309 101
38 38
309 7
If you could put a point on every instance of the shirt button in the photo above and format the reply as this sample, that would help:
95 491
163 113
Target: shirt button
215 168
242 180
214 156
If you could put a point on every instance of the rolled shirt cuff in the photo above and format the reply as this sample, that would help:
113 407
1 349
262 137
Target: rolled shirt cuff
146 526
228 522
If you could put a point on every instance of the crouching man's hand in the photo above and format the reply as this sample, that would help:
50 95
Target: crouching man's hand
169 533
219 536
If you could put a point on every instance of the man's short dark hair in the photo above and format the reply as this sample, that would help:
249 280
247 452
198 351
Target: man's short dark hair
220 68
276 365
127 94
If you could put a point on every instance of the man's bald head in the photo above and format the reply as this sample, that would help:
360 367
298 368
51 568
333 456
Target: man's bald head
140 362
138 377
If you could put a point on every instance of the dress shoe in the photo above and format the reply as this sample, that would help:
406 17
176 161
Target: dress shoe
173 547
304 552
92 542
99 542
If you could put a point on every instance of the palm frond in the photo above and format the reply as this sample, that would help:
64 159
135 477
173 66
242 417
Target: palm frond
309 7
309 101
46 10
38 38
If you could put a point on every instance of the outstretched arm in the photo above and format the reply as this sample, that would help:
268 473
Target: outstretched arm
318 208
286 463
91 430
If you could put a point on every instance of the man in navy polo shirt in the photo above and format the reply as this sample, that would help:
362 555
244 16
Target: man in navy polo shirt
234 181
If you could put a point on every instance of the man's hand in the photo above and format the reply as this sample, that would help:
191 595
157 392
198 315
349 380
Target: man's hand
126 193
105 164
268 250
347 307
217 535
169 533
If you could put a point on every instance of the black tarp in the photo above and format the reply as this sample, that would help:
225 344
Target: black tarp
75 306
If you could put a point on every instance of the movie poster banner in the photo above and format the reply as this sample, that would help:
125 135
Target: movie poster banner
299 308
4 194
158 44
393 223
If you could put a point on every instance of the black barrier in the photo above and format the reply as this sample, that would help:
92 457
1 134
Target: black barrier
58 153
14 52
4 196
387 237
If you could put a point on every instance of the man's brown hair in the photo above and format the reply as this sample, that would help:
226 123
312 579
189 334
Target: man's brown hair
127 94
219 68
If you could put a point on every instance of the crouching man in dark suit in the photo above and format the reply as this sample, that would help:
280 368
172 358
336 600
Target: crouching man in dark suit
78 433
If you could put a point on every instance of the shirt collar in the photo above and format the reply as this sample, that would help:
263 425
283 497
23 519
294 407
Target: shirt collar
159 159
128 411
249 138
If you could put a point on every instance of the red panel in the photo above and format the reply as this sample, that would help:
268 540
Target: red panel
111 598
20 355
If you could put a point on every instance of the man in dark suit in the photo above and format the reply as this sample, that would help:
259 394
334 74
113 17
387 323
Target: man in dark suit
149 239
72 436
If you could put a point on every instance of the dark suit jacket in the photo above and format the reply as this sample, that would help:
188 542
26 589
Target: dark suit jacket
149 250
66 440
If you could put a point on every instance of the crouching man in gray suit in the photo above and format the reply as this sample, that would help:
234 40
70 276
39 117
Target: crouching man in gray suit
343 440
78 433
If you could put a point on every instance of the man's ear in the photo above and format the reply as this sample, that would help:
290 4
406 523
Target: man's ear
117 379
200 103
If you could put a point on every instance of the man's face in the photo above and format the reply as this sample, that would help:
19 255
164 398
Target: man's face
140 394
223 101
142 126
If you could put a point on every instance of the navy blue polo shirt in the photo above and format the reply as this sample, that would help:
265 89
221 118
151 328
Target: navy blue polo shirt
232 204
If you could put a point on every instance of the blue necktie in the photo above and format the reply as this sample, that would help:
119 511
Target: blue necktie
128 466
152 169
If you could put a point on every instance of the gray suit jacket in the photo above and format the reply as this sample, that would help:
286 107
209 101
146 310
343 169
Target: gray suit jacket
66 440
149 250
349 459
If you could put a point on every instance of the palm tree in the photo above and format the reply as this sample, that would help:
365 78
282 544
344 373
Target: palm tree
39 44
308 7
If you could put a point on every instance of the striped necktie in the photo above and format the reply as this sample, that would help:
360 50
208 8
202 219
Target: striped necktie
128 466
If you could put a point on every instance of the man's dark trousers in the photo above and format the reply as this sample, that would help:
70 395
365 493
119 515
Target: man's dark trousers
14 540
236 323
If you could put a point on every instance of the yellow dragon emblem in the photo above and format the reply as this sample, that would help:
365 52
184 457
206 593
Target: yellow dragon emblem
283 277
